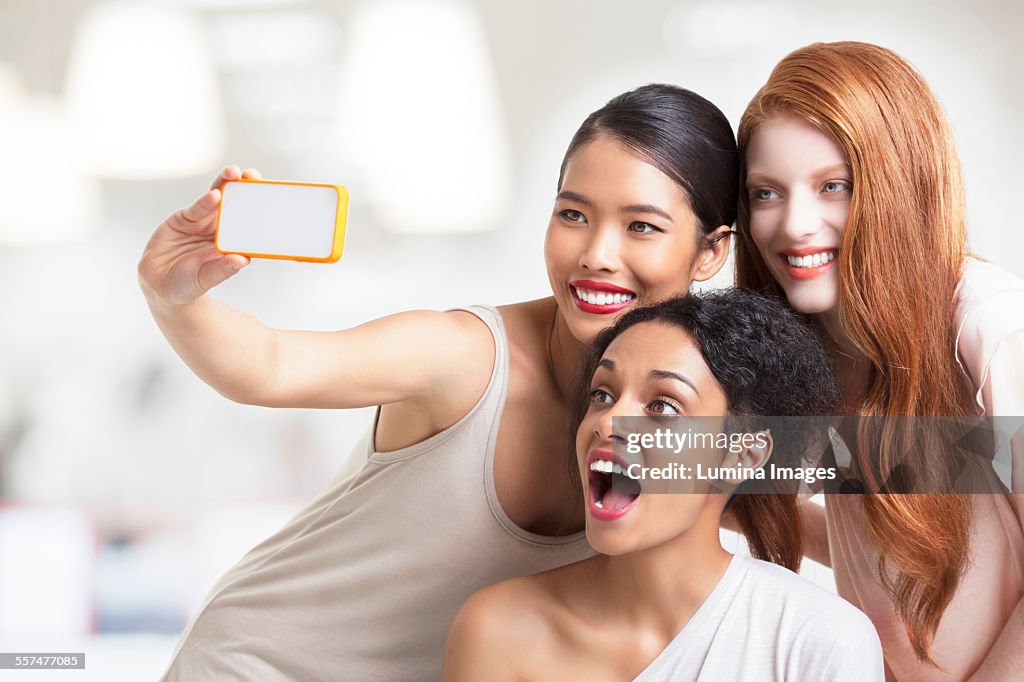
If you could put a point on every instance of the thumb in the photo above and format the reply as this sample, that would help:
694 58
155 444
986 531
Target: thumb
213 272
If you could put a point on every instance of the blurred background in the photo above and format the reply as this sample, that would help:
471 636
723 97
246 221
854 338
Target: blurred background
126 484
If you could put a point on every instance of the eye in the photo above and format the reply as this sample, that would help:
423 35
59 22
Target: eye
572 216
643 228
664 408
835 187
600 396
763 194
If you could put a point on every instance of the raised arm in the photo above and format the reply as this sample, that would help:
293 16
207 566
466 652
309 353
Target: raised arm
416 356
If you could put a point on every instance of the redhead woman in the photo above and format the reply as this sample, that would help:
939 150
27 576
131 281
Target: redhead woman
460 488
663 600
852 208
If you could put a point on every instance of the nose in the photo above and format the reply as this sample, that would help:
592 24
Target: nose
611 426
601 250
802 217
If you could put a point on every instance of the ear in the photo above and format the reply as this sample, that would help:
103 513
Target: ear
755 456
713 254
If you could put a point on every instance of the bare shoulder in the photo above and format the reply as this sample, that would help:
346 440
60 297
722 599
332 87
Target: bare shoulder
513 609
529 322
528 326
497 632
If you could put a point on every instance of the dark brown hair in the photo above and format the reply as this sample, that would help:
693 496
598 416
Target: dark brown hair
681 134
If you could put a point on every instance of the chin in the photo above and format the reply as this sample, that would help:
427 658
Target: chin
812 302
586 331
611 546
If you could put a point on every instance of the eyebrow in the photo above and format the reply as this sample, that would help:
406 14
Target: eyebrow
572 196
665 374
755 177
646 208
655 374
631 208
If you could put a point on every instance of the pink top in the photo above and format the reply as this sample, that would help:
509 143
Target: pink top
989 309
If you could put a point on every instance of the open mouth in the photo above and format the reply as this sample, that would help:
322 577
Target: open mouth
612 492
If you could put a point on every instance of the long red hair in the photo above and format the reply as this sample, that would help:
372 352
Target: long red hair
900 259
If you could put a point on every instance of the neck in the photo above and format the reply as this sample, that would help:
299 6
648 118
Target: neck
565 354
662 587
851 366
836 338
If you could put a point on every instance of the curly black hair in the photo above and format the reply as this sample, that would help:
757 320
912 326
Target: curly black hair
764 356
769 363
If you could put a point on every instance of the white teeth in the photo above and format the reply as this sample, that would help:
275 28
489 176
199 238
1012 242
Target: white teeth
616 469
605 466
602 297
811 261
597 503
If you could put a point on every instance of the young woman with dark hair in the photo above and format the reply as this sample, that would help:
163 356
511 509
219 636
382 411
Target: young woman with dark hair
853 209
663 600
459 488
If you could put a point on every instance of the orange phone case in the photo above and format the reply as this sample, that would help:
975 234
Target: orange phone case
282 220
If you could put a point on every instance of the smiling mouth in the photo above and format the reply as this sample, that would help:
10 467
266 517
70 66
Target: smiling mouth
602 297
808 265
811 260
611 490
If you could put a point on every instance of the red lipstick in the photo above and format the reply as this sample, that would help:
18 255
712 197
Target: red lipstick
603 287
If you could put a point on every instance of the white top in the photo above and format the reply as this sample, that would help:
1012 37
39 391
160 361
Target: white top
763 622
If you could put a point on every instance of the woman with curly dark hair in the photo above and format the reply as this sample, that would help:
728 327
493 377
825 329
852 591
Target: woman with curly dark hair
663 599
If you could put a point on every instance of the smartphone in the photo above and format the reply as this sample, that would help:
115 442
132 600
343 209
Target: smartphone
284 220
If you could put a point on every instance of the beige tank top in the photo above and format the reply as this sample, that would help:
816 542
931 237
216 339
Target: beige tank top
363 584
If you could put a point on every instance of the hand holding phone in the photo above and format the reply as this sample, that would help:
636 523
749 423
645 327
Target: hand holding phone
282 220
182 260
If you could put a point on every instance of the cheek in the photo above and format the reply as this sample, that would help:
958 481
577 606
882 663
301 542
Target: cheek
583 439
559 248
673 514
837 215
666 268
762 229
549 247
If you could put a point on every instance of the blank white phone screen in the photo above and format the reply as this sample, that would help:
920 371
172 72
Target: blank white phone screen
285 220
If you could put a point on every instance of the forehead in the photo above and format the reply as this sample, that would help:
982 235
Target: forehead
606 169
790 145
651 346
